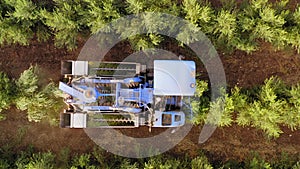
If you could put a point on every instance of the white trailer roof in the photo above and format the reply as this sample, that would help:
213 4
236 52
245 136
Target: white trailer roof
80 68
78 120
174 77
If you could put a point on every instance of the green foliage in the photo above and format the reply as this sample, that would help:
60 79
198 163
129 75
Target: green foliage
292 117
285 161
150 25
29 159
82 161
201 162
99 13
99 155
270 28
63 158
40 102
266 108
7 94
28 81
240 100
54 103
126 164
162 163
144 42
293 30
296 166
41 160
4 164
7 151
263 21
64 22
294 38
266 112
225 24
164 6
18 21
28 96
23 9
224 29
228 27
200 104
187 34
198 14
34 106
220 112
22 160
136 6
257 163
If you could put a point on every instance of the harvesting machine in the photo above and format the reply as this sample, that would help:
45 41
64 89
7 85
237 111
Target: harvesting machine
125 94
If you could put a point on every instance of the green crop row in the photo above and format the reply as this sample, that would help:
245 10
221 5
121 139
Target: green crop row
98 158
42 102
232 26
267 107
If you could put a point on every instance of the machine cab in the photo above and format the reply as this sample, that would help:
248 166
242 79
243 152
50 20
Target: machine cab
168 119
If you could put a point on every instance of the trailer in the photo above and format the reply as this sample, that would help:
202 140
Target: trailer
125 94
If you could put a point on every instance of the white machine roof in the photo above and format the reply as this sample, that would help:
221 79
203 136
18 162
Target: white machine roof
79 67
174 77
78 120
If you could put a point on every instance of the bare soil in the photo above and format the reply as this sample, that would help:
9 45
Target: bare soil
244 70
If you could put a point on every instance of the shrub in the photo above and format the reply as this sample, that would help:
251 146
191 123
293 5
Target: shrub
264 113
200 162
224 29
40 102
99 13
200 103
41 160
296 166
291 117
198 14
7 94
162 162
257 163
4 164
240 100
30 160
64 21
220 112
164 6
18 21
82 161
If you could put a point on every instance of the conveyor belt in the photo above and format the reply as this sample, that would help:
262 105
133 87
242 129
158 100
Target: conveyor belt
116 69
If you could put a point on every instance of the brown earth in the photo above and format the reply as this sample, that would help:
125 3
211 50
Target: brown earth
233 142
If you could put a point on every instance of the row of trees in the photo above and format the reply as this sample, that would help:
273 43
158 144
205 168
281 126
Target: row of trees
30 159
266 107
230 27
28 93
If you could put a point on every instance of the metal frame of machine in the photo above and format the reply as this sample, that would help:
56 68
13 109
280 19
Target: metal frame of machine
125 94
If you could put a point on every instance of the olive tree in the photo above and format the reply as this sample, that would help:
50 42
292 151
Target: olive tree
64 21
40 102
17 21
6 94
265 112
